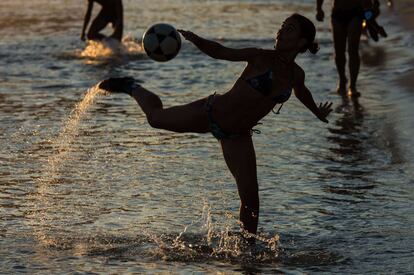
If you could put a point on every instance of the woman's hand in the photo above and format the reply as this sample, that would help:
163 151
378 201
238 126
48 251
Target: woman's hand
119 85
188 35
324 111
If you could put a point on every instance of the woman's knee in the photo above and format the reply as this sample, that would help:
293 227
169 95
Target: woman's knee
154 119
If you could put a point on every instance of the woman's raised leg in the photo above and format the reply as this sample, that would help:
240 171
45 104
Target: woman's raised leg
190 117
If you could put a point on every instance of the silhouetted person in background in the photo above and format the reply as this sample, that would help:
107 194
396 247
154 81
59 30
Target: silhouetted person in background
111 12
347 16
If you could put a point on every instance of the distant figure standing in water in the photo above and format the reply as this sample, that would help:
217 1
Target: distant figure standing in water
111 12
347 16
266 81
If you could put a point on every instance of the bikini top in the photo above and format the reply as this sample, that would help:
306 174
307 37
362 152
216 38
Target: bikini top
263 84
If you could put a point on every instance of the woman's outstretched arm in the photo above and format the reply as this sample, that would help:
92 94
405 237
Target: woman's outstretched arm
305 96
218 51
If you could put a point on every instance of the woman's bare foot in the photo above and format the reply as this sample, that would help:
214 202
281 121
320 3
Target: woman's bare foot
119 85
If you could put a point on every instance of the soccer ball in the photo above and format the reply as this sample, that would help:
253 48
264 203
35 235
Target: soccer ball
161 42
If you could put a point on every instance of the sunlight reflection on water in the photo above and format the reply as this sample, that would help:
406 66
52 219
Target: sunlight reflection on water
109 194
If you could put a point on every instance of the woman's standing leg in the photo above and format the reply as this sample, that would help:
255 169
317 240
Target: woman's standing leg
240 158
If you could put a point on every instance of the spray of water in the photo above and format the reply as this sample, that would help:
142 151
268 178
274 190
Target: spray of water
212 243
46 198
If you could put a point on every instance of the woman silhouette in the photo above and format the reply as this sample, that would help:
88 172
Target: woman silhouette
267 80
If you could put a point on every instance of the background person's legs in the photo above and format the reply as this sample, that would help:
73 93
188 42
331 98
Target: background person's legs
98 24
340 33
240 158
354 37
117 33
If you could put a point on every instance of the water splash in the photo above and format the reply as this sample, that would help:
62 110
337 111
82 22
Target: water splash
213 243
110 49
42 217
69 131
52 230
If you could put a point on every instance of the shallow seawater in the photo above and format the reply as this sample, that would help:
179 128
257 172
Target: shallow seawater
87 186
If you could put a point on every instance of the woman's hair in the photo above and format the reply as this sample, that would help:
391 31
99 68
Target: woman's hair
308 31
